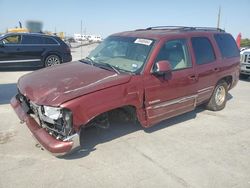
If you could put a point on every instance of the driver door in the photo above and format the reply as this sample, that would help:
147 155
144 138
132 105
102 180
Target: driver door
10 50
176 95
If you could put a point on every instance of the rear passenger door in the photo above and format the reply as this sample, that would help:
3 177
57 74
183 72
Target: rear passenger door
206 66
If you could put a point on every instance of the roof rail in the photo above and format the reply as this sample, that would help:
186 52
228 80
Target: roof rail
167 27
209 29
186 28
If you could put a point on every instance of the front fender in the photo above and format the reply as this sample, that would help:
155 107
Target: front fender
87 107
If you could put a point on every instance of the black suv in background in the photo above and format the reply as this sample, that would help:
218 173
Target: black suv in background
32 50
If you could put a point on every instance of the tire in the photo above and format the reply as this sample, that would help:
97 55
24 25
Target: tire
244 76
219 97
52 60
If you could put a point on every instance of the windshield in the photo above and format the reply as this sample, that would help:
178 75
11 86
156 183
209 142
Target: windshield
124 53
1 36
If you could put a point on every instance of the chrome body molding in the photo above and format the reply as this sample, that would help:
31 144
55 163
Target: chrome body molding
170 111
175 101
204 90
155 101
182 99
20 61
204 94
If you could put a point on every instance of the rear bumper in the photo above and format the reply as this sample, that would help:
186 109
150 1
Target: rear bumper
56 147
245 68
67 57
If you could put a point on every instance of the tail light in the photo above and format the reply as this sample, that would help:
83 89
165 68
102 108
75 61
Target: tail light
68 49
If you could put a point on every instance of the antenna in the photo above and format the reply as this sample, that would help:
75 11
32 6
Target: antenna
20 25
218 21
81 39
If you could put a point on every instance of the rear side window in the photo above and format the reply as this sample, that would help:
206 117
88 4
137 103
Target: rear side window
227 45
49 40
203 50
32 40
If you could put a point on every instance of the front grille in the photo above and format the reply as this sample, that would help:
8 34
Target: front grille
245 58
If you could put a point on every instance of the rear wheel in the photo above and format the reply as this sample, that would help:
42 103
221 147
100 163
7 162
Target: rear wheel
52 60
219 97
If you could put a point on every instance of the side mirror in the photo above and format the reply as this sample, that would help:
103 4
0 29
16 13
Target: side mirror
162 68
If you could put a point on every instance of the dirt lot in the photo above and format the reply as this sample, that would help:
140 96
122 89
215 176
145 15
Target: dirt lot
197 149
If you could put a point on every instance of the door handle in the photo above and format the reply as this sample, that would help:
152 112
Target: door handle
192 77
216 69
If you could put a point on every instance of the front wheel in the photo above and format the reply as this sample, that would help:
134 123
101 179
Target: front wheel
52 60
219 98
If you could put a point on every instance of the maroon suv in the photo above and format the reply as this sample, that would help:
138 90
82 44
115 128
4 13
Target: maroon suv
153 74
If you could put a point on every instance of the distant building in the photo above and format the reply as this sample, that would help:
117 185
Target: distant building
34 26
91 38
79 37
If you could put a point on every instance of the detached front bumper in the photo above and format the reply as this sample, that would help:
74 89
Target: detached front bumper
56 147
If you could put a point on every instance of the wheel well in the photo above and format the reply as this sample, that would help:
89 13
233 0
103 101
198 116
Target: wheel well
228 80
52 53
127 112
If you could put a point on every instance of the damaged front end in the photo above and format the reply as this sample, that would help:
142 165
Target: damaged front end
56 121
51 126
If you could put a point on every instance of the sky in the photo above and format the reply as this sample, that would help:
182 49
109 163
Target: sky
111 16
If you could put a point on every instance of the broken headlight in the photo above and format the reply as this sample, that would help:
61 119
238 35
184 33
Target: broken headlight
60 119
52 112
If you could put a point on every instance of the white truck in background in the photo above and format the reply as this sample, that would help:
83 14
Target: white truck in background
245 63
94 38
90 38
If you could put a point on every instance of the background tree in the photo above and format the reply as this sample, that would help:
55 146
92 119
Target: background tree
245 42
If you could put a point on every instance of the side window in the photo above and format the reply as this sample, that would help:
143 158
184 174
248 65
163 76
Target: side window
176 52
227 45
14 39
27 39
203 50
49 40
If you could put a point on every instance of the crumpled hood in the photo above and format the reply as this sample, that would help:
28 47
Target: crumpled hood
54 85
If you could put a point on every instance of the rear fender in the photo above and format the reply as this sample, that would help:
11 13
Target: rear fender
46 54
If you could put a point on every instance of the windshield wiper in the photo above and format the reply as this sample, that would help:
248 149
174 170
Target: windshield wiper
89 61
110 66
92 62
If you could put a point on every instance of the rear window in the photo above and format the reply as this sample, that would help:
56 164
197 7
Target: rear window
32 40
49 40
227 45
203 50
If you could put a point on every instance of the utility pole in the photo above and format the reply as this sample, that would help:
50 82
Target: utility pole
218 21
81 39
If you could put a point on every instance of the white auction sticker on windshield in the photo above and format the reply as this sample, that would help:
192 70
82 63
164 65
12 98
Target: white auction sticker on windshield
143 41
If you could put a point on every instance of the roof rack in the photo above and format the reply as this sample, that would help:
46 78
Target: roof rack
185 28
